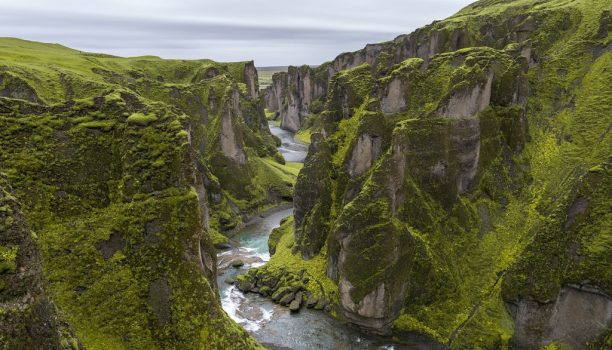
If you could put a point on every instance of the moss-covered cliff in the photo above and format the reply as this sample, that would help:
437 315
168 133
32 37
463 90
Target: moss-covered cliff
118 164
459 187
28 319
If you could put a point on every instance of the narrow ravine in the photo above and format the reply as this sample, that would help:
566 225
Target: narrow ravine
271 324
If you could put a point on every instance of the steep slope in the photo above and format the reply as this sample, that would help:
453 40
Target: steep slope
114 162
458 185
227 123
28 319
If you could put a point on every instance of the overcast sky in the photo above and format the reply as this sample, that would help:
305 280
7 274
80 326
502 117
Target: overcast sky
271 32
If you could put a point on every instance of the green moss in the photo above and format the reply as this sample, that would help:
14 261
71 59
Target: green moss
408 323
303 135
285 262
270 116
275 236
539 152
112 202
347 91
99 124
8 257
141 119
288 172
217 237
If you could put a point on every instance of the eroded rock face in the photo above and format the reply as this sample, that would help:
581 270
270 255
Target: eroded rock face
366 242
14 87
312 198
468 101
290 113
273 95
445 168
465 141
373 254
578 315
394 99
231 143
292 93
251 80
27 317
423 43
369 311
365 152
353 59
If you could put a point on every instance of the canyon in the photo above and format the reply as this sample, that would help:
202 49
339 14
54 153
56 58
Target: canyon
451 190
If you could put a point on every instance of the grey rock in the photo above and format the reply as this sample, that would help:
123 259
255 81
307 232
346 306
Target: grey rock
311 301
231 143
281 293
244 285
236 263
394 99
295 305
288 298
578 315
364 154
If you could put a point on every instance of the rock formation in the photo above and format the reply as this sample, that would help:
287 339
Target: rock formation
116 167
454 184
28 319
293 93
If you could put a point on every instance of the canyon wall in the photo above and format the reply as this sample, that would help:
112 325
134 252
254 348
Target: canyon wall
454 182
118 166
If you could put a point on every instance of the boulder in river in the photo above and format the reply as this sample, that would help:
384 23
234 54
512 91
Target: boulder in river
287 299
236 263
265 291
280 294
223 246
244 283
295 305
311 301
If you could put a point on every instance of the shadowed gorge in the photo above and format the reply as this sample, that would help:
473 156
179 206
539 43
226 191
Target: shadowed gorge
447 189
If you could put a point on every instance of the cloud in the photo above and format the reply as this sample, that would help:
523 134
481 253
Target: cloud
273 32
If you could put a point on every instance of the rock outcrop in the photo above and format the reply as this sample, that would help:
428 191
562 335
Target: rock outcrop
364 154
28 319
578 315
467 29
468 101
251 80
231 144
393 99
14 87
293 93
311 208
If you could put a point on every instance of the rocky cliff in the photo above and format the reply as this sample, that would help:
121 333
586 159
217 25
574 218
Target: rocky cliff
293 94
456 184
28 319
119 166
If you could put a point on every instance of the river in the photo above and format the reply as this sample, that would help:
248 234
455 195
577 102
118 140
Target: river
273 325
